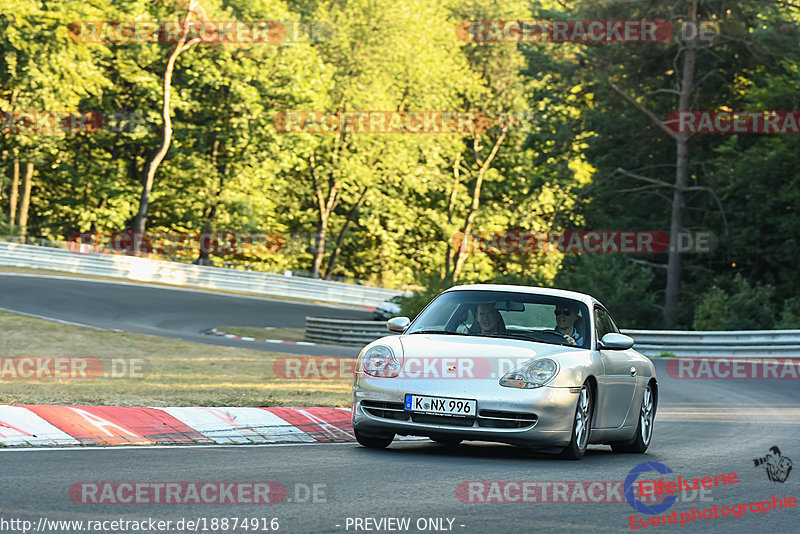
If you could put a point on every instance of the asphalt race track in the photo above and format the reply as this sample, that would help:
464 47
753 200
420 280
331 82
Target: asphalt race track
702 428
164 311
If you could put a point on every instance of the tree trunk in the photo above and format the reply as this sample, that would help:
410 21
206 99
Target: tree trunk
26 200
325 208
350 216
449 252
319 245
140 222
673 290
210 213
461 254
14 193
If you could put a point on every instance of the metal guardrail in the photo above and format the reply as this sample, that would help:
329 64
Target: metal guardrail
344 332
722 344
149 270
730 344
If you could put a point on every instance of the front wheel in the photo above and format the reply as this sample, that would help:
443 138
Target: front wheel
374 442
581 426
644 430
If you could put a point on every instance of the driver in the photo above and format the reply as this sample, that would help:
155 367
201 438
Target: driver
566 316
489 319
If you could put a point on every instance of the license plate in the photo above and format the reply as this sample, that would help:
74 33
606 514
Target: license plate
441 405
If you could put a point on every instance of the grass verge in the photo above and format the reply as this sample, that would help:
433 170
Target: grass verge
177 373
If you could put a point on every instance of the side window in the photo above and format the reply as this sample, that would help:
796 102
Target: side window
602 323
612 324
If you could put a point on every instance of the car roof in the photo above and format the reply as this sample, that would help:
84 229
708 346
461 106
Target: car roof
536 290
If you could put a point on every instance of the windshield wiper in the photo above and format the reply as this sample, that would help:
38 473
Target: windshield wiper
508 334
447 332
531 336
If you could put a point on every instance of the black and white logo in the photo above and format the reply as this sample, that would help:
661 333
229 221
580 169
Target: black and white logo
778 467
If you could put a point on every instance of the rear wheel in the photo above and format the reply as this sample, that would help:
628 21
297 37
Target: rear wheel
581 426
644 430
374 442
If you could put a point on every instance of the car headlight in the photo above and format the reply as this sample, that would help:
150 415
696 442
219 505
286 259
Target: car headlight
533 375
380 361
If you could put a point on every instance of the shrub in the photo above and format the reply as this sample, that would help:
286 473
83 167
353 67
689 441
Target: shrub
741 308
790 315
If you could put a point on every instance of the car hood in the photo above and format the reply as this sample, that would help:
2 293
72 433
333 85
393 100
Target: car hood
429 355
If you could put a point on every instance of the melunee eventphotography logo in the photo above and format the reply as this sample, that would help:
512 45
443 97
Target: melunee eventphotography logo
630 482
666 489
777 467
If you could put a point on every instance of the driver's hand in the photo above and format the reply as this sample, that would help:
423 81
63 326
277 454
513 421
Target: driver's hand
571 340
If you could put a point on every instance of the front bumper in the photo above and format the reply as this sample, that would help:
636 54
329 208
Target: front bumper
541 417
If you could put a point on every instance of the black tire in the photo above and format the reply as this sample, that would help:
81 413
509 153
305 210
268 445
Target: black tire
581 426
449 442
374 442
644 430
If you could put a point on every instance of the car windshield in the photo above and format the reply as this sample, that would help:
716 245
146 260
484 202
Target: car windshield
505 314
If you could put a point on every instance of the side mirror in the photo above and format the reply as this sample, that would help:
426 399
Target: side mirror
399 324
614 341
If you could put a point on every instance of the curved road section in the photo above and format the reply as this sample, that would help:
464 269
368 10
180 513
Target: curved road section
704 428
165 311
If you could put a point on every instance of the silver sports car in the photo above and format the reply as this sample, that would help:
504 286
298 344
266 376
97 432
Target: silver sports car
535 367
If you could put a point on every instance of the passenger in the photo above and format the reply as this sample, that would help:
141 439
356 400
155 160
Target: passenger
566 317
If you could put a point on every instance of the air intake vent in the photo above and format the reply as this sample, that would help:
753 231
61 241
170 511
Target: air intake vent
386 410
502 419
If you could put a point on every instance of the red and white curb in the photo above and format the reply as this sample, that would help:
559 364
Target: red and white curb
38 425
215 332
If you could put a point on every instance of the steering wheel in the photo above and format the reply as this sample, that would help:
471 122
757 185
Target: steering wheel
569 339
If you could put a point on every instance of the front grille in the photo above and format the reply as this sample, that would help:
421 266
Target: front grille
386 410
503 419
486 418
447 420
